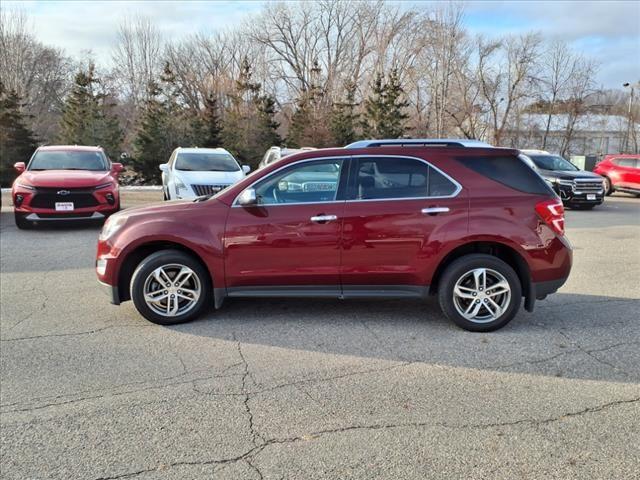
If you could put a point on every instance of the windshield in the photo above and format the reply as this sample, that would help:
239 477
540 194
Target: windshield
206 162
552 162
68 160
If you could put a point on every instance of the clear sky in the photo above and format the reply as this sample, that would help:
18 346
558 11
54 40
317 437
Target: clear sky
608 31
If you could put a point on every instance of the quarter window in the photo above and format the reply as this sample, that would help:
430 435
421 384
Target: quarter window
392 178
307 182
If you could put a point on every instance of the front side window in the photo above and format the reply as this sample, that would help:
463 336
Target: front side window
396 178
307 182
206 162
68 160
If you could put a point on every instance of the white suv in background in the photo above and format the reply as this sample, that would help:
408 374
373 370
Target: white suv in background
276 153
192 172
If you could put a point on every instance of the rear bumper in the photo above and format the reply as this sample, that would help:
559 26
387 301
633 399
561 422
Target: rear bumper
111 291
541 289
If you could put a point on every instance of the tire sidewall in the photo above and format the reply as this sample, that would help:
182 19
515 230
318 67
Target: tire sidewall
156 260
463 265
608 186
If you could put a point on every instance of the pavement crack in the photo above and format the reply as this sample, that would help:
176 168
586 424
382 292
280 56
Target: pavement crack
247 397
590 353
89 332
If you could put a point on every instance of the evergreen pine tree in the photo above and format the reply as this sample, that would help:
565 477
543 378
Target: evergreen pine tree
151 145
395 103
384 115
17 141
344 118
211 126
88 116
249 126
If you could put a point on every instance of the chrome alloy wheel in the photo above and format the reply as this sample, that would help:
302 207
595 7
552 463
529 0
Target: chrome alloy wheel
481 295
172 290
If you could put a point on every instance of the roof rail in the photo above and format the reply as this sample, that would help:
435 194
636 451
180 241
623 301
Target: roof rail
421 142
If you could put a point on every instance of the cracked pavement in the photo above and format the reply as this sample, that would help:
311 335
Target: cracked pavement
311 389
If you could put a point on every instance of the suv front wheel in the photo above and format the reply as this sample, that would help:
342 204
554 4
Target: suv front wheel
171 287
479 292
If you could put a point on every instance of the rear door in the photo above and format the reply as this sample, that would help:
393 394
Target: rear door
394 224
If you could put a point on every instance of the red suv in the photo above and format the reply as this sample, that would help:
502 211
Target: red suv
621 173
386 219
65 183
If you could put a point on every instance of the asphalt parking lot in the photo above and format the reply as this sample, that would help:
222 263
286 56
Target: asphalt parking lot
318 389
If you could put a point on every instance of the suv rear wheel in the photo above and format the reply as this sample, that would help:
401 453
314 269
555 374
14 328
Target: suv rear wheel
170 287
479 292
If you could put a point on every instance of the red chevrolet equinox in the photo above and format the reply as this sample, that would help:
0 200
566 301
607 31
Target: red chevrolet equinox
65 183
384 219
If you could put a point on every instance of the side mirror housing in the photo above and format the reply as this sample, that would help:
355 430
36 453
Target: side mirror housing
246 168
248 198
19 166
164 167
117 167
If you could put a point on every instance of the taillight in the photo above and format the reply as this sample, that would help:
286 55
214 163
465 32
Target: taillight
552 213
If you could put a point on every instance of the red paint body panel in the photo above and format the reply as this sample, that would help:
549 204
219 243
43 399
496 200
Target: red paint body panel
381 242
279 245
394 243
620 176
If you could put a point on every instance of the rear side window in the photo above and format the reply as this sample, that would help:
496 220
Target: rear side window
627 162
509 171
380 178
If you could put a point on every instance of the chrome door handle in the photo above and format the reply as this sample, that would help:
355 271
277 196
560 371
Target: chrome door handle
435 210
323 218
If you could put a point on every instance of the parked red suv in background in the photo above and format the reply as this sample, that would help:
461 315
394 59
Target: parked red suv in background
65 183
384 218
621 173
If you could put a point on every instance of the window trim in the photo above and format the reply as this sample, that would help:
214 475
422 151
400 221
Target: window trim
349 160
408 157
346 162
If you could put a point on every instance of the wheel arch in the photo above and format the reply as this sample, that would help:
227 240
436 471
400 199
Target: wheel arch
142 251
497 249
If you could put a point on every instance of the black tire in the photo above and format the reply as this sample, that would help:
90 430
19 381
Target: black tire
161 258
21 222
608 188
461 266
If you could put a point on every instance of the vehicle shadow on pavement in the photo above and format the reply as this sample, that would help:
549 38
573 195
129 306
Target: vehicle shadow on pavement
569 335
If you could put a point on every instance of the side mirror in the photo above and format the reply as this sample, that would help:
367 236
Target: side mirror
164 167
246 168
19 166
248 197
117 167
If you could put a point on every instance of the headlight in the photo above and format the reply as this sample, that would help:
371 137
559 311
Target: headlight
180 186
550 181
103 185
111 226
24 185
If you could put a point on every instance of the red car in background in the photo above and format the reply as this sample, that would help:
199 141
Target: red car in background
381 218
65 183
621 173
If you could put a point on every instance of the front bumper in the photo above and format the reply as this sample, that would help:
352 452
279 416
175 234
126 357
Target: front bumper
575 195
111 291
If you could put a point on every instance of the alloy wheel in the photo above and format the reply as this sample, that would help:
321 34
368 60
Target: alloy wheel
481 295
172 290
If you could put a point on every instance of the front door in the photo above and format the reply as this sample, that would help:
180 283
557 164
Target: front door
394 224
289 241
